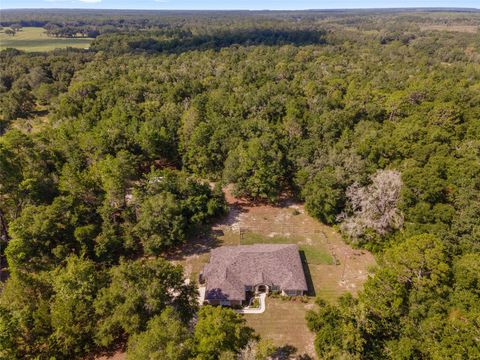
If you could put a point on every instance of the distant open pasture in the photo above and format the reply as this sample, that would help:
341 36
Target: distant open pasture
472 29
36 39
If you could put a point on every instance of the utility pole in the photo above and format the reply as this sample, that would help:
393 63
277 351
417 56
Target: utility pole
344 265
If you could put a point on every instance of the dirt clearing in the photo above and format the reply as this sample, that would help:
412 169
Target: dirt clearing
332 266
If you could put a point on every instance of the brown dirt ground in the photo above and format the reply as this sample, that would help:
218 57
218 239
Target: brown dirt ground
119 355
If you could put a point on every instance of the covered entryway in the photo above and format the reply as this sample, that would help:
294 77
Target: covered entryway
262 288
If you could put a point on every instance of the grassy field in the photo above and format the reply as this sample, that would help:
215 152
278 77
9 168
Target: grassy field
315 255
250 238
35 39
283 322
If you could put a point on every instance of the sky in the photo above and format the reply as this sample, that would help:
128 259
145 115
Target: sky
231 5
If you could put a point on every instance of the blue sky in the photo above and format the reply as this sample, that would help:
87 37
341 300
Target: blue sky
228 4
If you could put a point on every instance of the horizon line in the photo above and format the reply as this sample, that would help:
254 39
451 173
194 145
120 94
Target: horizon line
251 10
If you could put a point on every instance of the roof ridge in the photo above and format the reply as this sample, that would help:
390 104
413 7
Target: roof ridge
233 267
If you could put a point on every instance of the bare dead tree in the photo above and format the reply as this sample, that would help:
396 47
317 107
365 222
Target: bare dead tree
374 206
249 352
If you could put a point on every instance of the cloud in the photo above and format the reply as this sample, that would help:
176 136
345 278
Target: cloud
90 1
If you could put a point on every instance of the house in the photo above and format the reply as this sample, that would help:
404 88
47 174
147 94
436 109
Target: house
236 272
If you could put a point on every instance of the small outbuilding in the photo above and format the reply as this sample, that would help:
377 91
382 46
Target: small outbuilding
235 273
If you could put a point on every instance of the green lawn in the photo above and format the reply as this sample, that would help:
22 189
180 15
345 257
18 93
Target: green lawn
35 39
250 238
314 254
283 322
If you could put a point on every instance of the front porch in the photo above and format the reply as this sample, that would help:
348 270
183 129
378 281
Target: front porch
262 288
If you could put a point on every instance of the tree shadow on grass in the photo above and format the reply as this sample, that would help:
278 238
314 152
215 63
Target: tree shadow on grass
284 352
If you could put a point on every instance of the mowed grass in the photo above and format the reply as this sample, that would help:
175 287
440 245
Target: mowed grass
283 322
35 39
250 238
315 255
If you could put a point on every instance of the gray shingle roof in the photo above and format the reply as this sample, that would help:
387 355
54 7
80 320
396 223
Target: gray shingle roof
231 268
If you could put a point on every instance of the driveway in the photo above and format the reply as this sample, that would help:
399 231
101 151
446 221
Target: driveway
259 310
201 295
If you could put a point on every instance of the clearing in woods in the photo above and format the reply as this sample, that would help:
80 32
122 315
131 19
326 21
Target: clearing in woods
36 39
332 266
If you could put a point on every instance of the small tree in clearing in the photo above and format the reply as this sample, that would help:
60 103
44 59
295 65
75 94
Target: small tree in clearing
374 206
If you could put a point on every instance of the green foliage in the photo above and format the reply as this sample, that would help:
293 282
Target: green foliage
172 204
161 223
25 176
218 331
407 310
157 136
264 349
44 235
329 336
24 304
420 262
258 168
166 338
325 196
17 104
8 333
50 313
467 273
115 174
75 286
138 291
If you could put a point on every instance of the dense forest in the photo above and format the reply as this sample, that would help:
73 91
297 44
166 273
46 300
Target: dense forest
108 156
